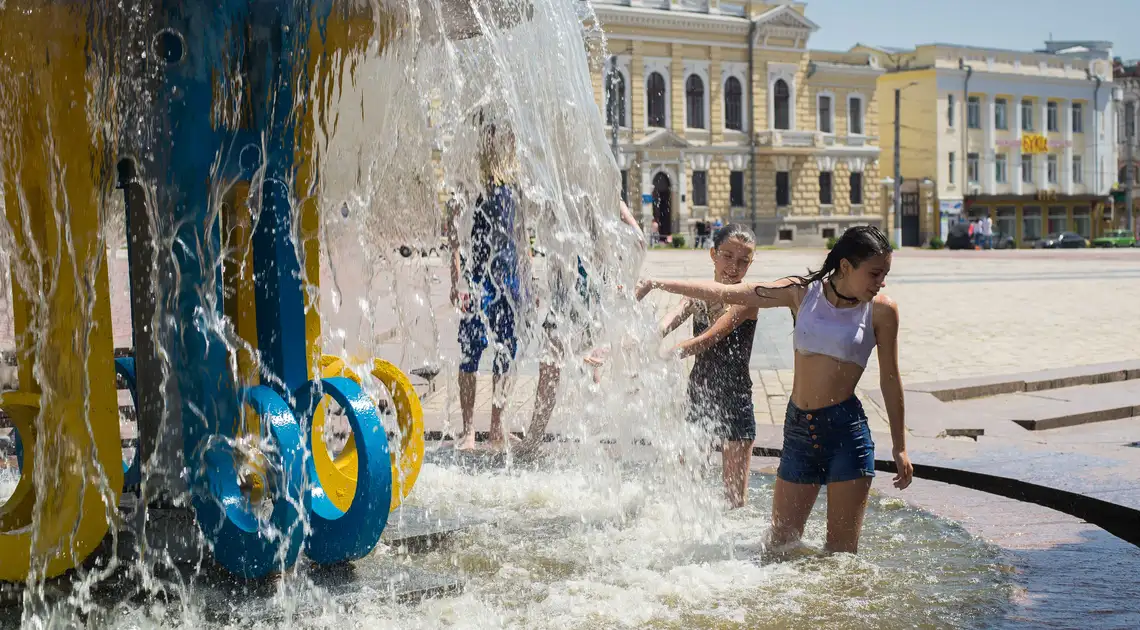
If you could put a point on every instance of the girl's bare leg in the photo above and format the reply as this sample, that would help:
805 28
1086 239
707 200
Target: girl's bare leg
736 460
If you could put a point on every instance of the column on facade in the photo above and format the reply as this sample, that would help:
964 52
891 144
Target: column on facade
646 189
677 91
1015 155
683 195
716 97
636 79
988 157
1042 164
1067 151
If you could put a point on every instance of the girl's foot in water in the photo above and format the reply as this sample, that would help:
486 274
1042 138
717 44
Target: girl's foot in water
499 444
465 442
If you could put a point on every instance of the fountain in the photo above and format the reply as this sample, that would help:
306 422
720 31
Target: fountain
230 136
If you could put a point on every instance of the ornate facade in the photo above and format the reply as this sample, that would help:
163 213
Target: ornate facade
722 111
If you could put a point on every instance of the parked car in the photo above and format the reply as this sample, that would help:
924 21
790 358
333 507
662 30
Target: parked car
1115 238
1003 241
1062 240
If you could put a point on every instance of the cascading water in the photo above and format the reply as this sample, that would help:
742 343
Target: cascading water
385 103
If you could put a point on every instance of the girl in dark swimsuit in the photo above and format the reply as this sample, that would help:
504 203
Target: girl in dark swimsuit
720 386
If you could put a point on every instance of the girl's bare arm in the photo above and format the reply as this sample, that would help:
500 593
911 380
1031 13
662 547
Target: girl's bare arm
783 292
719 330
676 317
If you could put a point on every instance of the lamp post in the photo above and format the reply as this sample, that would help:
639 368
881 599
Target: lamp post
1129 139
898 164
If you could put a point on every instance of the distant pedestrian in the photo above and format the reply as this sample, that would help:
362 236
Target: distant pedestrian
988 231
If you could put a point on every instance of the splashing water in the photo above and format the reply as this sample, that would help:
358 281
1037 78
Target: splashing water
611 534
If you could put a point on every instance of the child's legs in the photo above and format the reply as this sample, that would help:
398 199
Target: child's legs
472 342
502 319
736 459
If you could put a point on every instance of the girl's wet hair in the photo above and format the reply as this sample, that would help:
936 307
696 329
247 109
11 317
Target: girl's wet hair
858 244
733 230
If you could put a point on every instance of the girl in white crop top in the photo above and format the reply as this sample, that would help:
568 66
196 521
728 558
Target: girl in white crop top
840 317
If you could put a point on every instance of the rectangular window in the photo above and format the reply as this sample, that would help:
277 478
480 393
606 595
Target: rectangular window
974 113
1051 116
1031 223
1078 169
1051 168
1129 119
949 110
1006 222
1082 223
700 188
1027 115
1078 118
1027 169
952 168
1058 220
973 168
825 198
625 186
736 189
1001 114
1001 168
855 116
783 189
856 189
825 114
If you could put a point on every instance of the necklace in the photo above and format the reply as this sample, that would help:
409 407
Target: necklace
839 295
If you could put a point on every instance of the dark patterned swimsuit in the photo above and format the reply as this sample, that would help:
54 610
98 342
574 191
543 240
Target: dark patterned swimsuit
720 385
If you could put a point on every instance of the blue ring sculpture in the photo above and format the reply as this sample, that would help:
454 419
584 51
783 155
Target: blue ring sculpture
350 535
240 542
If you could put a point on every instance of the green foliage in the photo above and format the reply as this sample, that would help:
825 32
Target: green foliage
936 243
831 243
678 241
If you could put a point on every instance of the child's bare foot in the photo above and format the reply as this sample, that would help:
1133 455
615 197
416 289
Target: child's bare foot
466 442
501 445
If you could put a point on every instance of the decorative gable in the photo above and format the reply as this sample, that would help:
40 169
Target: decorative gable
663 139
784 22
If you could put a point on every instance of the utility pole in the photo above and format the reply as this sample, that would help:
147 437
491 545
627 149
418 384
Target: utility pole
898 170
613 105
1129 169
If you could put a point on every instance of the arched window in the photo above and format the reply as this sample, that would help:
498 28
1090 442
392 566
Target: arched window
615 99
733 104
695 102
782 105
655 99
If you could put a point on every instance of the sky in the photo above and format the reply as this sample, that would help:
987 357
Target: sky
1012 24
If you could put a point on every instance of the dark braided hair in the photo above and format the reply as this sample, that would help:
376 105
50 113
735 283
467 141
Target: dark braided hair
857 244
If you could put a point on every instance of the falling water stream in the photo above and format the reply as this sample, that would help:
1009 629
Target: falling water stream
611 531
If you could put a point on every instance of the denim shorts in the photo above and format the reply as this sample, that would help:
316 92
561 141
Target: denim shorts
828 445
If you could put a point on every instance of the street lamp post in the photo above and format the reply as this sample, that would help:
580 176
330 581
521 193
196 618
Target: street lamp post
1129 139
898 241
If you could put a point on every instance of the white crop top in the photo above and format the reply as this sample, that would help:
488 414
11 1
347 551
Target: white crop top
846 334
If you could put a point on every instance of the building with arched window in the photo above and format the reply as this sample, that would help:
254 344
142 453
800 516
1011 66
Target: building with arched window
722 111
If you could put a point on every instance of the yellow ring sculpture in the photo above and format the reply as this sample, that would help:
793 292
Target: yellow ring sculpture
338 476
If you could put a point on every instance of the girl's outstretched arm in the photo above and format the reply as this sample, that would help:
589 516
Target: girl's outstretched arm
782 292
719 330
676 317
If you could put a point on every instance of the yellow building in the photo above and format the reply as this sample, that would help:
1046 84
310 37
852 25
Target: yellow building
723 112
1024 137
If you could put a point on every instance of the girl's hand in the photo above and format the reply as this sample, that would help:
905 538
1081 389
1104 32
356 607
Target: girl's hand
643 289
669 352
905 469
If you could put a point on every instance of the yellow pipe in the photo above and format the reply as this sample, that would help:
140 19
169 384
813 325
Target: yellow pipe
53 165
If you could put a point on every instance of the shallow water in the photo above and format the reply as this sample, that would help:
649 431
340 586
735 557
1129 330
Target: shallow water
558 551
